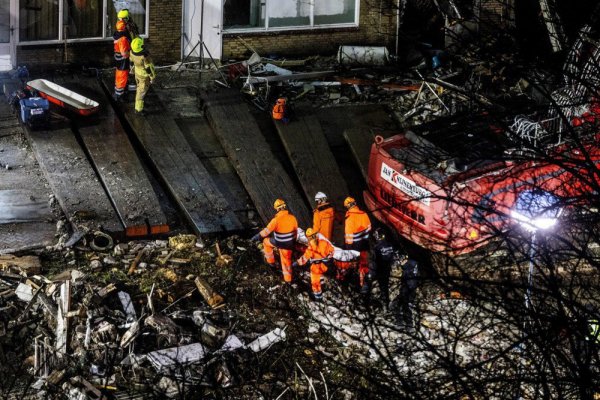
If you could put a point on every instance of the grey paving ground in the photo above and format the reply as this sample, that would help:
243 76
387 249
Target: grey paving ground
27 219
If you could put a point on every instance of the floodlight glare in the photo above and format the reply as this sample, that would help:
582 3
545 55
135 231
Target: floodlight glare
536 210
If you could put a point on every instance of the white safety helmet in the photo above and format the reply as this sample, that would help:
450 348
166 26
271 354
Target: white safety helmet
320 196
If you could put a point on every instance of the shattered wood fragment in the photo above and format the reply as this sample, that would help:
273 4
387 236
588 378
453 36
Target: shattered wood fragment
223 260
106 290
131 334
26 265
165 259
180 261
90 391
62 326
48 304
134 264
212 298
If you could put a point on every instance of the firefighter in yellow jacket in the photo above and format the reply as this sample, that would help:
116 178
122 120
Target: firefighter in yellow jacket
144 72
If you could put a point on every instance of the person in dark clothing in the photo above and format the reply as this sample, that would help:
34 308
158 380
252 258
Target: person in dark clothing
380 266
405 302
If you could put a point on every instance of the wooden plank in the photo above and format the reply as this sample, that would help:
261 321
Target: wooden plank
206 146
360 140
24 205
315 165
335 120
119 167
181 171
73 180
261 172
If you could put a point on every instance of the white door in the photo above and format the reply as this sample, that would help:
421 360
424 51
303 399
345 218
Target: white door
7 34
205 16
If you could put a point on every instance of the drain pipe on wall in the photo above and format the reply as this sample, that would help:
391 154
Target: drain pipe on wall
397 27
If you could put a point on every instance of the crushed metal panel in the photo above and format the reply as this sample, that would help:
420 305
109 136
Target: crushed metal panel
127 304
166 359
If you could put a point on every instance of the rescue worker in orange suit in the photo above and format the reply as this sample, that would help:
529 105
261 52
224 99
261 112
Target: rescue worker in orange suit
356 235
280 112
318 253
143 70
122 47
323 216
281 232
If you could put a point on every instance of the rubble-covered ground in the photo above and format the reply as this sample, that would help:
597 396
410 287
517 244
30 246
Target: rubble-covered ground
181 318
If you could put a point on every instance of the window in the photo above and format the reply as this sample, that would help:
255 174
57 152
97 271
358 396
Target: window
83 18
285 14
39 20
4 21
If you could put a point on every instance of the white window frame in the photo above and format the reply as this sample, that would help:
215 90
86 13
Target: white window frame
312 26
61 39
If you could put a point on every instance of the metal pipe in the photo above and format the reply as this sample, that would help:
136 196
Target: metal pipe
397 27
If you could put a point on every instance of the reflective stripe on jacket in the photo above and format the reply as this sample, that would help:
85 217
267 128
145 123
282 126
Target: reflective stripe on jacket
122 46
316 250
284 227
356 229
323 217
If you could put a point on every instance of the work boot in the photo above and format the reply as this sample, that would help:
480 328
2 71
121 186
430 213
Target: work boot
140 113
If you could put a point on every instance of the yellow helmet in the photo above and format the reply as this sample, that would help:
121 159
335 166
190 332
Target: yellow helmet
310 232
279 205
123 14
137 45
349 202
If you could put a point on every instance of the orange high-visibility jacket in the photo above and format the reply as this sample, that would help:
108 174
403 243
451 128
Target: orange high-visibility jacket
284 227
323 217
122 47
278 111
357 228
316 250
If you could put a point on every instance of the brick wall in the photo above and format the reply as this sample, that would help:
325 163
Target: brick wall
163 42
375 28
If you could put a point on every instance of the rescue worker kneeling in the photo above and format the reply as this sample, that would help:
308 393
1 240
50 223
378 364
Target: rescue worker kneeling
280 111
284 228
318 252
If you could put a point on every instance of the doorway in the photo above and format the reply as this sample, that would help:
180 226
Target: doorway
7 34
202 21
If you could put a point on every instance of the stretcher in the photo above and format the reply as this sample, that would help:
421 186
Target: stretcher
64 97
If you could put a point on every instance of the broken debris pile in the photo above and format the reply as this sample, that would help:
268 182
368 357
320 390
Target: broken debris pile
162 331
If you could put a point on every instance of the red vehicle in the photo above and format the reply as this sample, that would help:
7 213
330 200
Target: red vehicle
454 187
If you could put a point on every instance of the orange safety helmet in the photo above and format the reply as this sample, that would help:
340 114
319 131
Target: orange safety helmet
349 202
121 26
279 205
310 232
281 100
